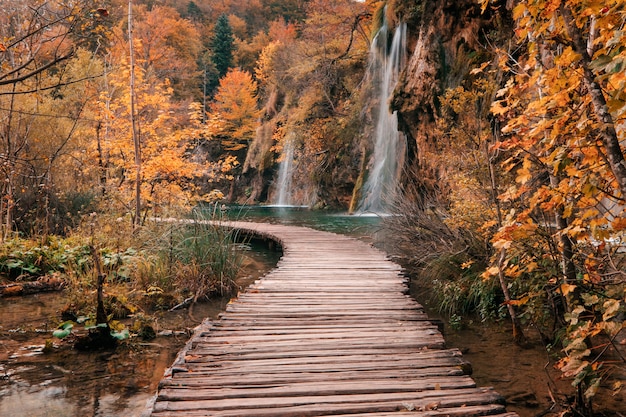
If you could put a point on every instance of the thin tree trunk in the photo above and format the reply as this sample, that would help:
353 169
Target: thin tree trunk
568 267
101 167
101 316
518 334
136 139
8 197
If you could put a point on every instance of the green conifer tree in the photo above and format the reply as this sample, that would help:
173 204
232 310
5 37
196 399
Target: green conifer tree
194 13
223 45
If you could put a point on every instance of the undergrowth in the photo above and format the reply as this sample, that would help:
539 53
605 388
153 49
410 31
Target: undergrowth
158 266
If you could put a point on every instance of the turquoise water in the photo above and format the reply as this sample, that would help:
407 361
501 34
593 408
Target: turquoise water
367 227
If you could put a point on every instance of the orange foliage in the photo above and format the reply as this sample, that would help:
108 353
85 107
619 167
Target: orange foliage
235 106
563 109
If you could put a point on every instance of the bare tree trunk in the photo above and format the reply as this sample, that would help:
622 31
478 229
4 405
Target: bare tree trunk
101 166
136 139
101 316
518 334
9 169
566 250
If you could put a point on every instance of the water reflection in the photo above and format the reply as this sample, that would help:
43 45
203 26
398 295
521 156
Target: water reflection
36 401
67 383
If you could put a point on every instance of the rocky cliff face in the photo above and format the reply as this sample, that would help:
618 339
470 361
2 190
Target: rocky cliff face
447 39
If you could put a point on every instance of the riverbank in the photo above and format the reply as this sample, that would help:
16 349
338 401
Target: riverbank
63 382
524 376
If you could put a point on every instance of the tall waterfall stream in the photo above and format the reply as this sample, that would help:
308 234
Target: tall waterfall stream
385 61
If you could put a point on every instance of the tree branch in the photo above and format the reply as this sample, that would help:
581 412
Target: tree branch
36 71
50 87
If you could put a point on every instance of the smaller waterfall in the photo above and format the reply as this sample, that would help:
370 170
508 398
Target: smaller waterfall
386 61
283 187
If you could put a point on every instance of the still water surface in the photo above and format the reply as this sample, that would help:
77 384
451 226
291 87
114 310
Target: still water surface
361 226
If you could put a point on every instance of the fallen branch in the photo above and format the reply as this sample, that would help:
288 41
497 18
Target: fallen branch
185 303
44 284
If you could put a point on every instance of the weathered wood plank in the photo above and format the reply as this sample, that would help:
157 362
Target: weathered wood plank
331 331
418 399
319 388
208 378
464 411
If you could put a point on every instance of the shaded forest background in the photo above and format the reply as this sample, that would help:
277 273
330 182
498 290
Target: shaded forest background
512 194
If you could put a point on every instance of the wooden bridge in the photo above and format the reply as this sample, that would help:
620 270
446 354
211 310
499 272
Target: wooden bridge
329 332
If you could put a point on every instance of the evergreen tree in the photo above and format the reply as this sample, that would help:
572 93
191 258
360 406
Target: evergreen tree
194 13
223 41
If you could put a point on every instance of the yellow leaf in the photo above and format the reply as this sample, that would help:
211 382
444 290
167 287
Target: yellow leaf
575 231
611 308
493 270
567 211
567 288
519 11
502 244
521 301
568 57
479 69
502 92
523 175
498 109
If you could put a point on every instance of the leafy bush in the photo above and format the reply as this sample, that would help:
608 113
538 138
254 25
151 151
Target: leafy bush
45 212
26 259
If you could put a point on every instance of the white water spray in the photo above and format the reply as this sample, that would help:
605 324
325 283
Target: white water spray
283 187
386 61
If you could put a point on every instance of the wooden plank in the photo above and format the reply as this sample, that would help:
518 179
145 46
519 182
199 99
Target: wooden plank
319 388
260 352
208 378
443 398
495 410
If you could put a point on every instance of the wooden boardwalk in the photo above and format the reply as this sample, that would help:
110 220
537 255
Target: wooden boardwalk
329 332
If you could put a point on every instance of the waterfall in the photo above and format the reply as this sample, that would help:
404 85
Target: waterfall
385 62
283 187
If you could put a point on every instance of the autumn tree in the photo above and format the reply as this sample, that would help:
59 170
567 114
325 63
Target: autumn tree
41 36
562 108
37 44
169 48
235 105
194 13
292 11
166 180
